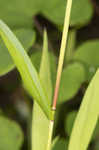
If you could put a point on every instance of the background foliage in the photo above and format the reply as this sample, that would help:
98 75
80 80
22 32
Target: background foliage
27 19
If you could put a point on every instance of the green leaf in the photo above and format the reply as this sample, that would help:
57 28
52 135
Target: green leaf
96 131
87 117
36 59
70 45
59 144
91 61
27 71
70 121
45 73
79 17
11 136
18 13
40 125
83 51
26 37
72 78
55 10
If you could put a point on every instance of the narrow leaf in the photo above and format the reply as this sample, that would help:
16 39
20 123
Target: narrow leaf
26 37
45 73
36 59
40 126
87 117
70 45
28 73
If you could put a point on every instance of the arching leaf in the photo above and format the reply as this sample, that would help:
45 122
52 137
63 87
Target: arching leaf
87 117
27 71
26 37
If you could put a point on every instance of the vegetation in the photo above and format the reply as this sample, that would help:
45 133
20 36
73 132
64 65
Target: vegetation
45 106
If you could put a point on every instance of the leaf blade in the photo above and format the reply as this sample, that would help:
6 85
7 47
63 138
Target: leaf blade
45 73
40 124
26 37
87 117
25 67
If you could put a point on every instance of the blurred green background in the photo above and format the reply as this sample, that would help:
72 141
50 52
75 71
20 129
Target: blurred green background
27 19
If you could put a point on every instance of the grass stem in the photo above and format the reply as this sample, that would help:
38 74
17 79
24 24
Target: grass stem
62 51
60 66
51 124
